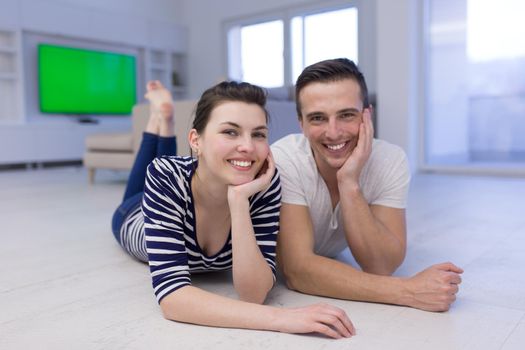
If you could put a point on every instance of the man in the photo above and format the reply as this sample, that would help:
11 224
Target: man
341 188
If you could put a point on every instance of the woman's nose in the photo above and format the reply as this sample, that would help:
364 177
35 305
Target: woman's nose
246 144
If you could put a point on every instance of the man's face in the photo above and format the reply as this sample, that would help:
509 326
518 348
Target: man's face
331 116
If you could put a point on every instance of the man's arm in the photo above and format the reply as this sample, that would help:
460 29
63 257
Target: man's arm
433 289
375 234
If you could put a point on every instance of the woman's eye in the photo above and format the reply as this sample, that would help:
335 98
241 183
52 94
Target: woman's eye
230 132
259 135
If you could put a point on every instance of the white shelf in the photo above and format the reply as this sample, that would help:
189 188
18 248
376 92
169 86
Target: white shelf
157 67
169 68
10 78
7 49
179 89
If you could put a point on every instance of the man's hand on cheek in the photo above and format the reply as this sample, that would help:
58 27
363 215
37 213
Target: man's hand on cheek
351 169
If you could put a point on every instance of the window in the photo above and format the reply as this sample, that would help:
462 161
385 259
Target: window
475 87
257 51
323 36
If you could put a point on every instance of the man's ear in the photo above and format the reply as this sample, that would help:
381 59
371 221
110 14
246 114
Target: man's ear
301 123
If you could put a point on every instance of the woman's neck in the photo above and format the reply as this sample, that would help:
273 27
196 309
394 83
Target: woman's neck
208 193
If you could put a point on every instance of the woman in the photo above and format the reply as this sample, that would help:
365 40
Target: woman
219 210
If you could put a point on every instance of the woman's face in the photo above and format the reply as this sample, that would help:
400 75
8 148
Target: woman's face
234 144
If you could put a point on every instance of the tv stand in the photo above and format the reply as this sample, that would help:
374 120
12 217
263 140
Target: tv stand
87 120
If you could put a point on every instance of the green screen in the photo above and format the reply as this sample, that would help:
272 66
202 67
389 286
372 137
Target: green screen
85 81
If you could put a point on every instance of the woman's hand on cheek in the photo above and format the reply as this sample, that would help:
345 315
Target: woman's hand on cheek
262 180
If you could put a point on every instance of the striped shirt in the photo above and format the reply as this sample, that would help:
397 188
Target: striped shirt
165 233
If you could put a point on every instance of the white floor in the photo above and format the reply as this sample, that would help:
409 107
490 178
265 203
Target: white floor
66 284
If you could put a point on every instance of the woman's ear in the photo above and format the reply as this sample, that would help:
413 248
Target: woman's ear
193 140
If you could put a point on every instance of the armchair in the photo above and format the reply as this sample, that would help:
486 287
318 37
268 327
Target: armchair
117 150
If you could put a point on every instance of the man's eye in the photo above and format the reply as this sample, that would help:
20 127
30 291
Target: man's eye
316 118
347 115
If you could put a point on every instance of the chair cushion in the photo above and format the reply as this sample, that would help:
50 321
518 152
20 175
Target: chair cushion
107 160
110 142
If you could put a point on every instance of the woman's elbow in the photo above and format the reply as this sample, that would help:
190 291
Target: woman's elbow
172 306
168 311
254 296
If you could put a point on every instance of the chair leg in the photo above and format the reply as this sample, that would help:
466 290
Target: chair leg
91 175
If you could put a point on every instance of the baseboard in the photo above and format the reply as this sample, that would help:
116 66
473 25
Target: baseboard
40 165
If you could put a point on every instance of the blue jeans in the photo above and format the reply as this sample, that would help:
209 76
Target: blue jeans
152 146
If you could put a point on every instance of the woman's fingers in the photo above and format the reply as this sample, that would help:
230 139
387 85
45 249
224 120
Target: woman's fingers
336 324
326 330
331 321
270 170
343 318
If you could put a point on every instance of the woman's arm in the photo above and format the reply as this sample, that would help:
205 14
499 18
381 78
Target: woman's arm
252 276
193 305
253 248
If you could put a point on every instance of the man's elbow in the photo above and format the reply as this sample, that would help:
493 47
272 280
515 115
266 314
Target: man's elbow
379 270
293 273
383 269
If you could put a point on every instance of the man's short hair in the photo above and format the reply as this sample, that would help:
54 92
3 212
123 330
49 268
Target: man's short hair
330 71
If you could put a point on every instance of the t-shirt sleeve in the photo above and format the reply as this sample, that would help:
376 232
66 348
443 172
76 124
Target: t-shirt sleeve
164 207
264 211
292 191
394 180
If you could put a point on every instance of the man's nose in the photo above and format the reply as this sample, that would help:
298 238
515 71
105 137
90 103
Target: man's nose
332 129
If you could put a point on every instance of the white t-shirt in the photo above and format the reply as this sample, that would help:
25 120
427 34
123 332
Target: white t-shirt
384 181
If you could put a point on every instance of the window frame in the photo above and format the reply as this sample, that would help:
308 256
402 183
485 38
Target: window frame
285 15
424 165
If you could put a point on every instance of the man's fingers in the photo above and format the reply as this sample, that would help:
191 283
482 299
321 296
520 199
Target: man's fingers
454 278
448 266
370 127
369 114
454 288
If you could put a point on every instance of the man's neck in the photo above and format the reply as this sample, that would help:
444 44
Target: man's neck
329 176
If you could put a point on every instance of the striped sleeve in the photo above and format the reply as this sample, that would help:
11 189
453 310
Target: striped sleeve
264 211
164 207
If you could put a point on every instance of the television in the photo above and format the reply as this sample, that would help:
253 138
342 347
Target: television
79 81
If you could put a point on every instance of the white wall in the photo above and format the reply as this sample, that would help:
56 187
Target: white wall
398 73
159 10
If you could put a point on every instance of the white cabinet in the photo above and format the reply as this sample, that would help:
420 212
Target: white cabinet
169 68
10 77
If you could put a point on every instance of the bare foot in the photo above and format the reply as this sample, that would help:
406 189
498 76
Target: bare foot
160 99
